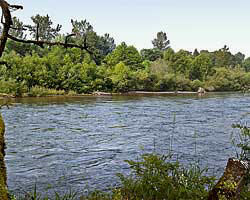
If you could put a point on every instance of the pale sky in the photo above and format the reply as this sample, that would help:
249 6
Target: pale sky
189 24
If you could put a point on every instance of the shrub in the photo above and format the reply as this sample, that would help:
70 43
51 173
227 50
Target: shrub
156 177
37 91
13 87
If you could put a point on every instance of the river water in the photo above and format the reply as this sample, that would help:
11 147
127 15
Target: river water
81 143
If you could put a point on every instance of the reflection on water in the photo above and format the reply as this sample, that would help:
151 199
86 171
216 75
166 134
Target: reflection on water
62 143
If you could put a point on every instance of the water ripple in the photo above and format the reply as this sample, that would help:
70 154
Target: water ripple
61 143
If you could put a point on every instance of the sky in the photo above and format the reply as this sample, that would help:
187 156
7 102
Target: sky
189 24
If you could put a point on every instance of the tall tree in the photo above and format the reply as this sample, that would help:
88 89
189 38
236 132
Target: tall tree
85 35
196 53
224 58
239 58
106 45
18 29
161 41
43 28
83 31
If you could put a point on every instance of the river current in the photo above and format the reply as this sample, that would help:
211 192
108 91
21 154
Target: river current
61 144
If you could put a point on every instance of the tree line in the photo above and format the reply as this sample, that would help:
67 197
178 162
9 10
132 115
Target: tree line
108 67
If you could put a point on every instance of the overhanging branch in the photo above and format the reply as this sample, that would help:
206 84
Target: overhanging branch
7 25
42 43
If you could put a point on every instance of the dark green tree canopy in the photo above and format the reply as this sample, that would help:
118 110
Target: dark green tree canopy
151 54
43 28
161 41
129 55
196 53
246 64
239 58
19 30
85 35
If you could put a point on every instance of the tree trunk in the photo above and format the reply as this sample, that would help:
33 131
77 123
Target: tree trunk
232 182
3 177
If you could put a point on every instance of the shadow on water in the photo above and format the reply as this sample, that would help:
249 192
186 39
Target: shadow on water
71 142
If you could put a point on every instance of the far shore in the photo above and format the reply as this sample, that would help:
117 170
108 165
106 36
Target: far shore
6 96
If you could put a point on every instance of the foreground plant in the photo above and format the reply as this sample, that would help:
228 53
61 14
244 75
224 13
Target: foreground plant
156 177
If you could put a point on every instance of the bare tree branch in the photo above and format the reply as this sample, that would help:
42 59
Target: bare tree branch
42 43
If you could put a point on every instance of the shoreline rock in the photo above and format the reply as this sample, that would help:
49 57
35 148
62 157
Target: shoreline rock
232 181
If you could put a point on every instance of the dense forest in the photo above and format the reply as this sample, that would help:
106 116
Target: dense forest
108 67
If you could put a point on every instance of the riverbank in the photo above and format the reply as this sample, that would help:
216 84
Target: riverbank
5 96
71 94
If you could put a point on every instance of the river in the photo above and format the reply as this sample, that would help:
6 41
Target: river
80 143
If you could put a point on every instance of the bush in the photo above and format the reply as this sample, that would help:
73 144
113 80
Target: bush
156 177
196 84
37 91
11 86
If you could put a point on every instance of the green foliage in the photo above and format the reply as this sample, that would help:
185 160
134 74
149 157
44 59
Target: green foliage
12 87
165 80
143 80
196 84
151 54
121 77
196 53
156 177
18 32
244 141
241 141
35 71
44 26
159 69
226 79
126 54
201 67
36 196
180 62
239 58
161 41
86 36
37 91
245 82
224 58
246 64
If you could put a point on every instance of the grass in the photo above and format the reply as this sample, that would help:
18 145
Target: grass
41 91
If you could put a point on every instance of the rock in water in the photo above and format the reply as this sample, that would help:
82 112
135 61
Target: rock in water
3 177
201 90
232 182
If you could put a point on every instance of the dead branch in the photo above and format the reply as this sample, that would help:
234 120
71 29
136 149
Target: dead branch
67 38
37 32
42 43
16 7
